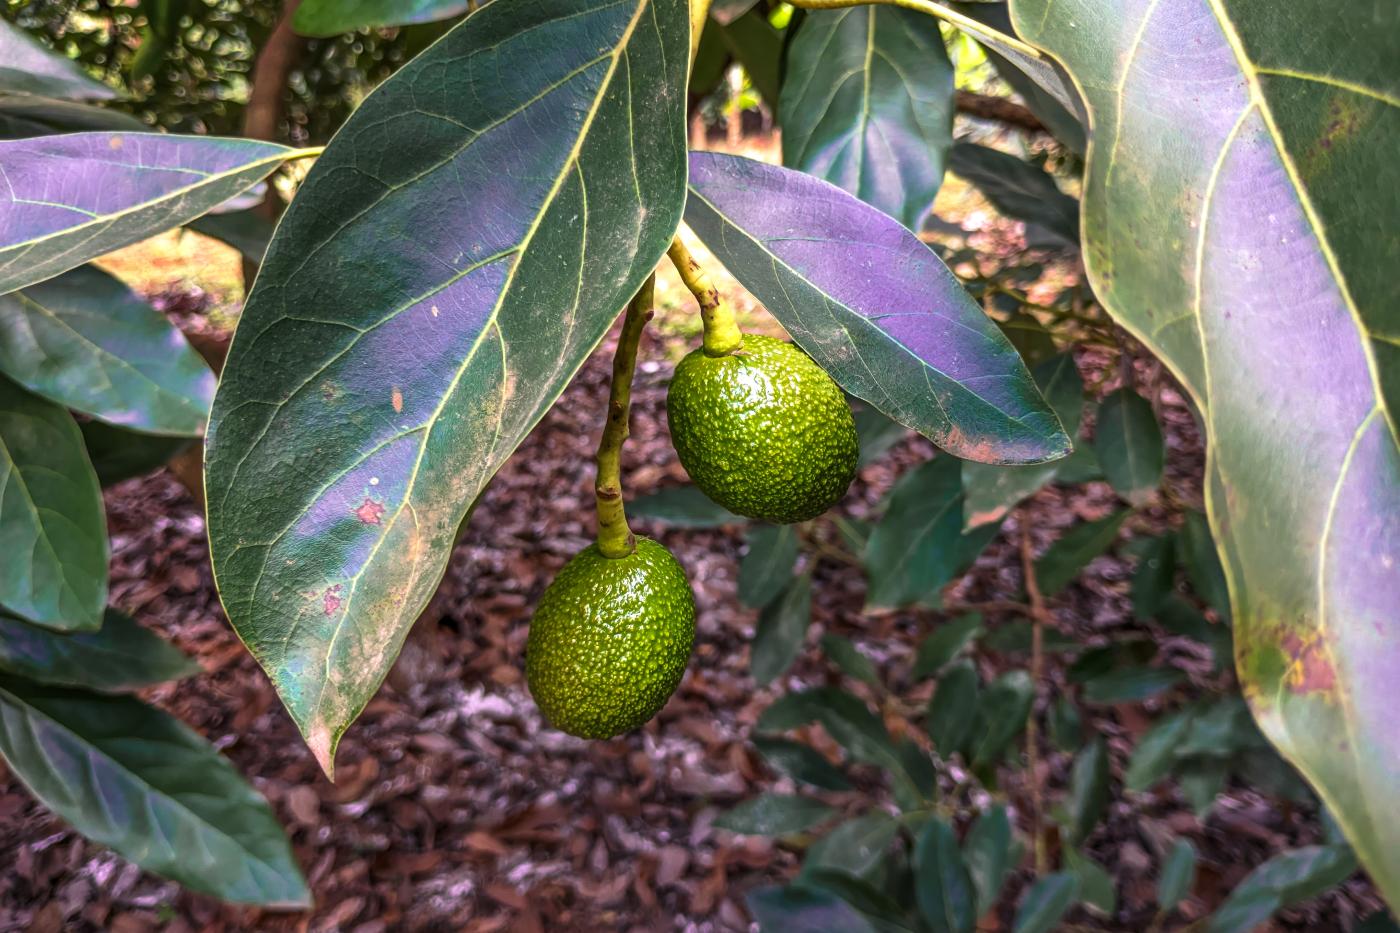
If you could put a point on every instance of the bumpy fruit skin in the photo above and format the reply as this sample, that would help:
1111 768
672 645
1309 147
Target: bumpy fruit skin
764 432
610 640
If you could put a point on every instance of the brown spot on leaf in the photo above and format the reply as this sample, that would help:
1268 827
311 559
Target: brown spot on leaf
1311 670
396 397
331 601
370 512
114 143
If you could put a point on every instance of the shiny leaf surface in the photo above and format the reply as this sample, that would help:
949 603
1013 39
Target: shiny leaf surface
87 342
332 17
71 198
1237 198
26 67
419 310
54 571
122 655
867 104
874 307
22 115
132 778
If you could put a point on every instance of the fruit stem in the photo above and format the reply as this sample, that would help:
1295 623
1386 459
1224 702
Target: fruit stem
615 539
722 334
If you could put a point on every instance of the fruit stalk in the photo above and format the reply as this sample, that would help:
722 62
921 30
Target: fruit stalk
722 334
615 539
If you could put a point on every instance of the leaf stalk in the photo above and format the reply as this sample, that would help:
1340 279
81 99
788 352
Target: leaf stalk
722 334
615 538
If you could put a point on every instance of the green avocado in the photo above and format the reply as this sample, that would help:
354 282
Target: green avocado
764 432
610 640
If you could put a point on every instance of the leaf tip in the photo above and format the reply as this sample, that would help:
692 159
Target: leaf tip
322 740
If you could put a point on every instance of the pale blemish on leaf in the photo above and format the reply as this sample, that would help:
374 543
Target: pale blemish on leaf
1312 670
115 142
396 397
331 601
370 512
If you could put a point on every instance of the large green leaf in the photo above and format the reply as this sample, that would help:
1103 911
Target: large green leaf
54 531
753 41
1240 203
332 17
130 777
1072 552
26 67
913 551
118 454
1129 445
22 115
781 630
419 310
867 104
767 567
1019 190
70 198
86 341
943 888
122 655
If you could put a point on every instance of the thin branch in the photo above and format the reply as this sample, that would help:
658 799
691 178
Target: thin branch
1001 109
615 539
1039 616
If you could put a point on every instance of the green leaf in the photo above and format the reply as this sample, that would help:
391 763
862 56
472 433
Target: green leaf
1221 730
992 491
52 515
877 433
333 17
1001 715
1018 190
987 852
132 778
781 630
942 887
801 762
1201 782
913 551
757 46
1128 443
1156 752
24 115
1063 560
845 655
121 655
725 12
775 815
855 847
85 341
711 61
798 708
1282 881
952 710
76 196
1273 300
945 643
1066 725
26 67
874 306
867 104
1015 638
246 231
1202 563
766 569
371 394
1096 886
118 454
1088 791
1132 684
1178 875
1154 577
1181 618
860 894
1378 922
1046 903
682 507
780 909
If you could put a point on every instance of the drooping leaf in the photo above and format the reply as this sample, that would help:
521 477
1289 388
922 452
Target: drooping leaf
1018 190
987 852
73 197
952 710
88 342
1001 716
333 17
855 846
1177 877
682 507
1046 903
122 655
792 907
54 569
945 643
419 310
942 887
913 551
118 454
991 490
1282 881
867 104
130 777
781 630
874 307
22 115
1128 443
775 815
766 569
845 655
801 762
1265 186
1088 791
26 67
753 41
1063 560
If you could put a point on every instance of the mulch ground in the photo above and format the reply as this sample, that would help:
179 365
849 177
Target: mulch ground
456 809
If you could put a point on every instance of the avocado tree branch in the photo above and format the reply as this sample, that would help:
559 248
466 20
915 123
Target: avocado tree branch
615 539
722 335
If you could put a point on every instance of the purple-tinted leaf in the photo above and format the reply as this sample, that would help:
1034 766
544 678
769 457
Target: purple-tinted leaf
1241 202
67 199
874 307
332 17
26 67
